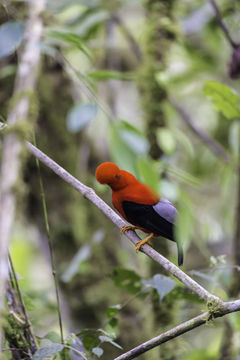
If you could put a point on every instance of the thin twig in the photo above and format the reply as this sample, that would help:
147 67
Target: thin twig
84 86
28 324
222 24
12 145
212 144
53 266
193 323
128 36
90 194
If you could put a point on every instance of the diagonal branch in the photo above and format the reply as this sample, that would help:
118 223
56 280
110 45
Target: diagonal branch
90 194
12 145
217 308
223 25
212 144
189 325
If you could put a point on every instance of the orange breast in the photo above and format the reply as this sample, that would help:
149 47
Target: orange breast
136 192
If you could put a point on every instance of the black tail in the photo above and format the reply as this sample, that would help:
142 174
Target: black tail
180 253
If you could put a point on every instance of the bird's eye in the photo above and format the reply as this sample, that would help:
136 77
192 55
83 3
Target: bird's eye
117 176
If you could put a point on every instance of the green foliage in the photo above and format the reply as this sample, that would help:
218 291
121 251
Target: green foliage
110 75
166 140
91 48
127 279
126 144
112 310
199 355
163 284
225 99
92 341
72 39
148 172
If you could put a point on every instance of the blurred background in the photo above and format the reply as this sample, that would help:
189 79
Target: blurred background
152 86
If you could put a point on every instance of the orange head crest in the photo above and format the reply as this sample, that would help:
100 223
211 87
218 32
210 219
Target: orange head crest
110 174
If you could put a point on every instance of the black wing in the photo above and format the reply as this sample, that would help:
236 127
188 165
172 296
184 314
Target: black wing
146 217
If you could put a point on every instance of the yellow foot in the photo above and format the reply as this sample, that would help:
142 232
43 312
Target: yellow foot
127 227
144 241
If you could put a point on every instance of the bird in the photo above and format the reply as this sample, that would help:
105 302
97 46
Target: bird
139 205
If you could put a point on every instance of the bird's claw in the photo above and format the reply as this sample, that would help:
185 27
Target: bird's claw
139 243
127 227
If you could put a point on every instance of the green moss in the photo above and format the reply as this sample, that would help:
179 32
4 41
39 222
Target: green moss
159 34
215 308
13 331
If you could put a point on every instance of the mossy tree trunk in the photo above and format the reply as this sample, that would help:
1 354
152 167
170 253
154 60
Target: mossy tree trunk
157 42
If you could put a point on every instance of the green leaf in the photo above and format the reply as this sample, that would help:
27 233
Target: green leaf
148 172
166 140
11 36
89 339
181 293
127 279
110 75
112 310
113 322
224 99
71 38
45 352
90 21
104 338
53 337
97 351
163 284
80 116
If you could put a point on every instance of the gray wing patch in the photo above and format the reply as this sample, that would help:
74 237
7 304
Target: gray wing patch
166 210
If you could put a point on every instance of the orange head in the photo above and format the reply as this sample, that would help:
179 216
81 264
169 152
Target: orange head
110 174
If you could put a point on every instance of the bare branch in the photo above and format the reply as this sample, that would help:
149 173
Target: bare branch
212 144
90 194
10 166
197 321
217 308
223 25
